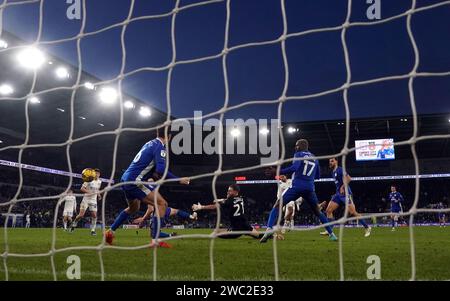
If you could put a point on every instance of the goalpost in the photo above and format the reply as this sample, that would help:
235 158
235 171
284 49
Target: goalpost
284 97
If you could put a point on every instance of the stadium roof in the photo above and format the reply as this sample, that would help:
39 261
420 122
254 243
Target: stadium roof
49 123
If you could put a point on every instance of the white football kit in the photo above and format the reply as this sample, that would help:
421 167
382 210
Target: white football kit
90 200
70 205
282 187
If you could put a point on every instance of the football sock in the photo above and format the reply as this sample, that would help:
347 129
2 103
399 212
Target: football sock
272 217
183 214
93 223
123 216
363 223
324 220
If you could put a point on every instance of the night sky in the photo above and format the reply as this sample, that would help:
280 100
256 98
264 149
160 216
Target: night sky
316 61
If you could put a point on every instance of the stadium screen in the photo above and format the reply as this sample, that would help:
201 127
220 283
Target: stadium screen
375 149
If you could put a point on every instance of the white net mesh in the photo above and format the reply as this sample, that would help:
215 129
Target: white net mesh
226 107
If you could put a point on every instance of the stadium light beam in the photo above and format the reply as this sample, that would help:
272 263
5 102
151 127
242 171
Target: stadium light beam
145 112
31 58
108 95
3 44
128 105
292 130
89 86
34 100
62 73
6 89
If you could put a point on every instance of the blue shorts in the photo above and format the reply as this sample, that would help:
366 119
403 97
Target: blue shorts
340 199
441 215
294 193
133 192
166 215
396 209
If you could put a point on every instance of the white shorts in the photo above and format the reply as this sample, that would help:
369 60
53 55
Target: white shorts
291 204
92 205
68 213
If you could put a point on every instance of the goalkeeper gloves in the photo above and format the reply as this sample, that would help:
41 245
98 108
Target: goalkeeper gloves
197 207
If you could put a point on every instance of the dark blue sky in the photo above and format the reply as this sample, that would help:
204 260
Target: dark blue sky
316 61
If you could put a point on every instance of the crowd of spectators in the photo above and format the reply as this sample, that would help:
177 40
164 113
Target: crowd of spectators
369 197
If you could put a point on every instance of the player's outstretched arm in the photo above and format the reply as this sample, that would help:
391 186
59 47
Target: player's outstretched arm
294 167
160 154
198 206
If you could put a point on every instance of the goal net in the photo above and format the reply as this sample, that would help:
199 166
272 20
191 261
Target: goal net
74 85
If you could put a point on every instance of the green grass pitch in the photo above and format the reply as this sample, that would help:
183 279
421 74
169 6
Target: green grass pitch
303 255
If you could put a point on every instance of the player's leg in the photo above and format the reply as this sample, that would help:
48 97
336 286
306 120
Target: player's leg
155 229
65 218
241 227
155 242
133 194
313 202
352 211
133 207
158 222
291 223
227 234
83 207
287 218
256 234
290 194
333 205
253 232
394 220
169 212
183 214
93 220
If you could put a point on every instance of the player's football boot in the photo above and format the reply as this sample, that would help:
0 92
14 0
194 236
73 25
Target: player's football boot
109 237
93 233
266 237
278 236
161 244
324 233
368 231
333 237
